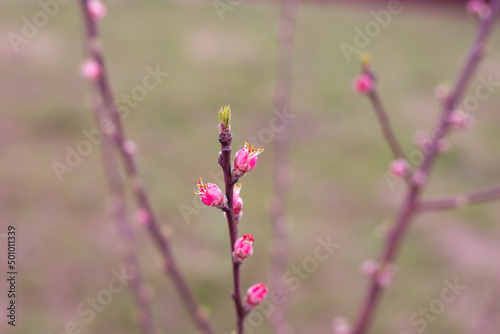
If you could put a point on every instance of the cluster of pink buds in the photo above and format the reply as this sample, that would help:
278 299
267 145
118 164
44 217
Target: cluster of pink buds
91 69
97 9
400 167
460 120
255 295
363 84
243 248
211 195
245 160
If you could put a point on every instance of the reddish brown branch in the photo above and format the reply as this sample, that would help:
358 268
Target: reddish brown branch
139 192
460 200
225 138
410 203
281 164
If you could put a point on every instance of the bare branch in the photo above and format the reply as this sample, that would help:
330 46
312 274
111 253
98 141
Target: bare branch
139 192
408 208
460 200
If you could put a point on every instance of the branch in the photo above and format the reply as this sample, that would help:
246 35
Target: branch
122 221
129 164
410 203
281 168
385 124
461 200
225 138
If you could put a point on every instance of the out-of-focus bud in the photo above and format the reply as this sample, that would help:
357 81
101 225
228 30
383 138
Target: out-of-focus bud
91 69
97 9
441 92
460 120
386 274
479 8
341 326
211 195
245 160
400 167
243 248
363 84
129 146
369 267
142 216
255 295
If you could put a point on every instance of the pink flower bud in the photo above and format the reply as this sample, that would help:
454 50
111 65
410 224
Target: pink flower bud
340 326
129 146
460 120
369 268
400 167
255 295
363 84
97 9
91 69
142 216
441 92
211 195
475 6
246 159
243 248
237 201
387 274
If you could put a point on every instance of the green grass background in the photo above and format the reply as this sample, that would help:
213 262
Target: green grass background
67 244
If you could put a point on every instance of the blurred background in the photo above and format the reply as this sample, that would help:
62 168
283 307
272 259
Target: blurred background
68 246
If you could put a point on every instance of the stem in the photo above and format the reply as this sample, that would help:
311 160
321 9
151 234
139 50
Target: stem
139 192
407 210
119 212
281 169
461 200
225 138
385 124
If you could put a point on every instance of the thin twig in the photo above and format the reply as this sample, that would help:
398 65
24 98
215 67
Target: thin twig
383 118
281 164
139 192
460 200
410 203
119 212
225 139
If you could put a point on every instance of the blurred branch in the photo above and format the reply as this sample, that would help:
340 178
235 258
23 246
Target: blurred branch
461 200
383 118
129 164
281 168
225 138
119 212
410 203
